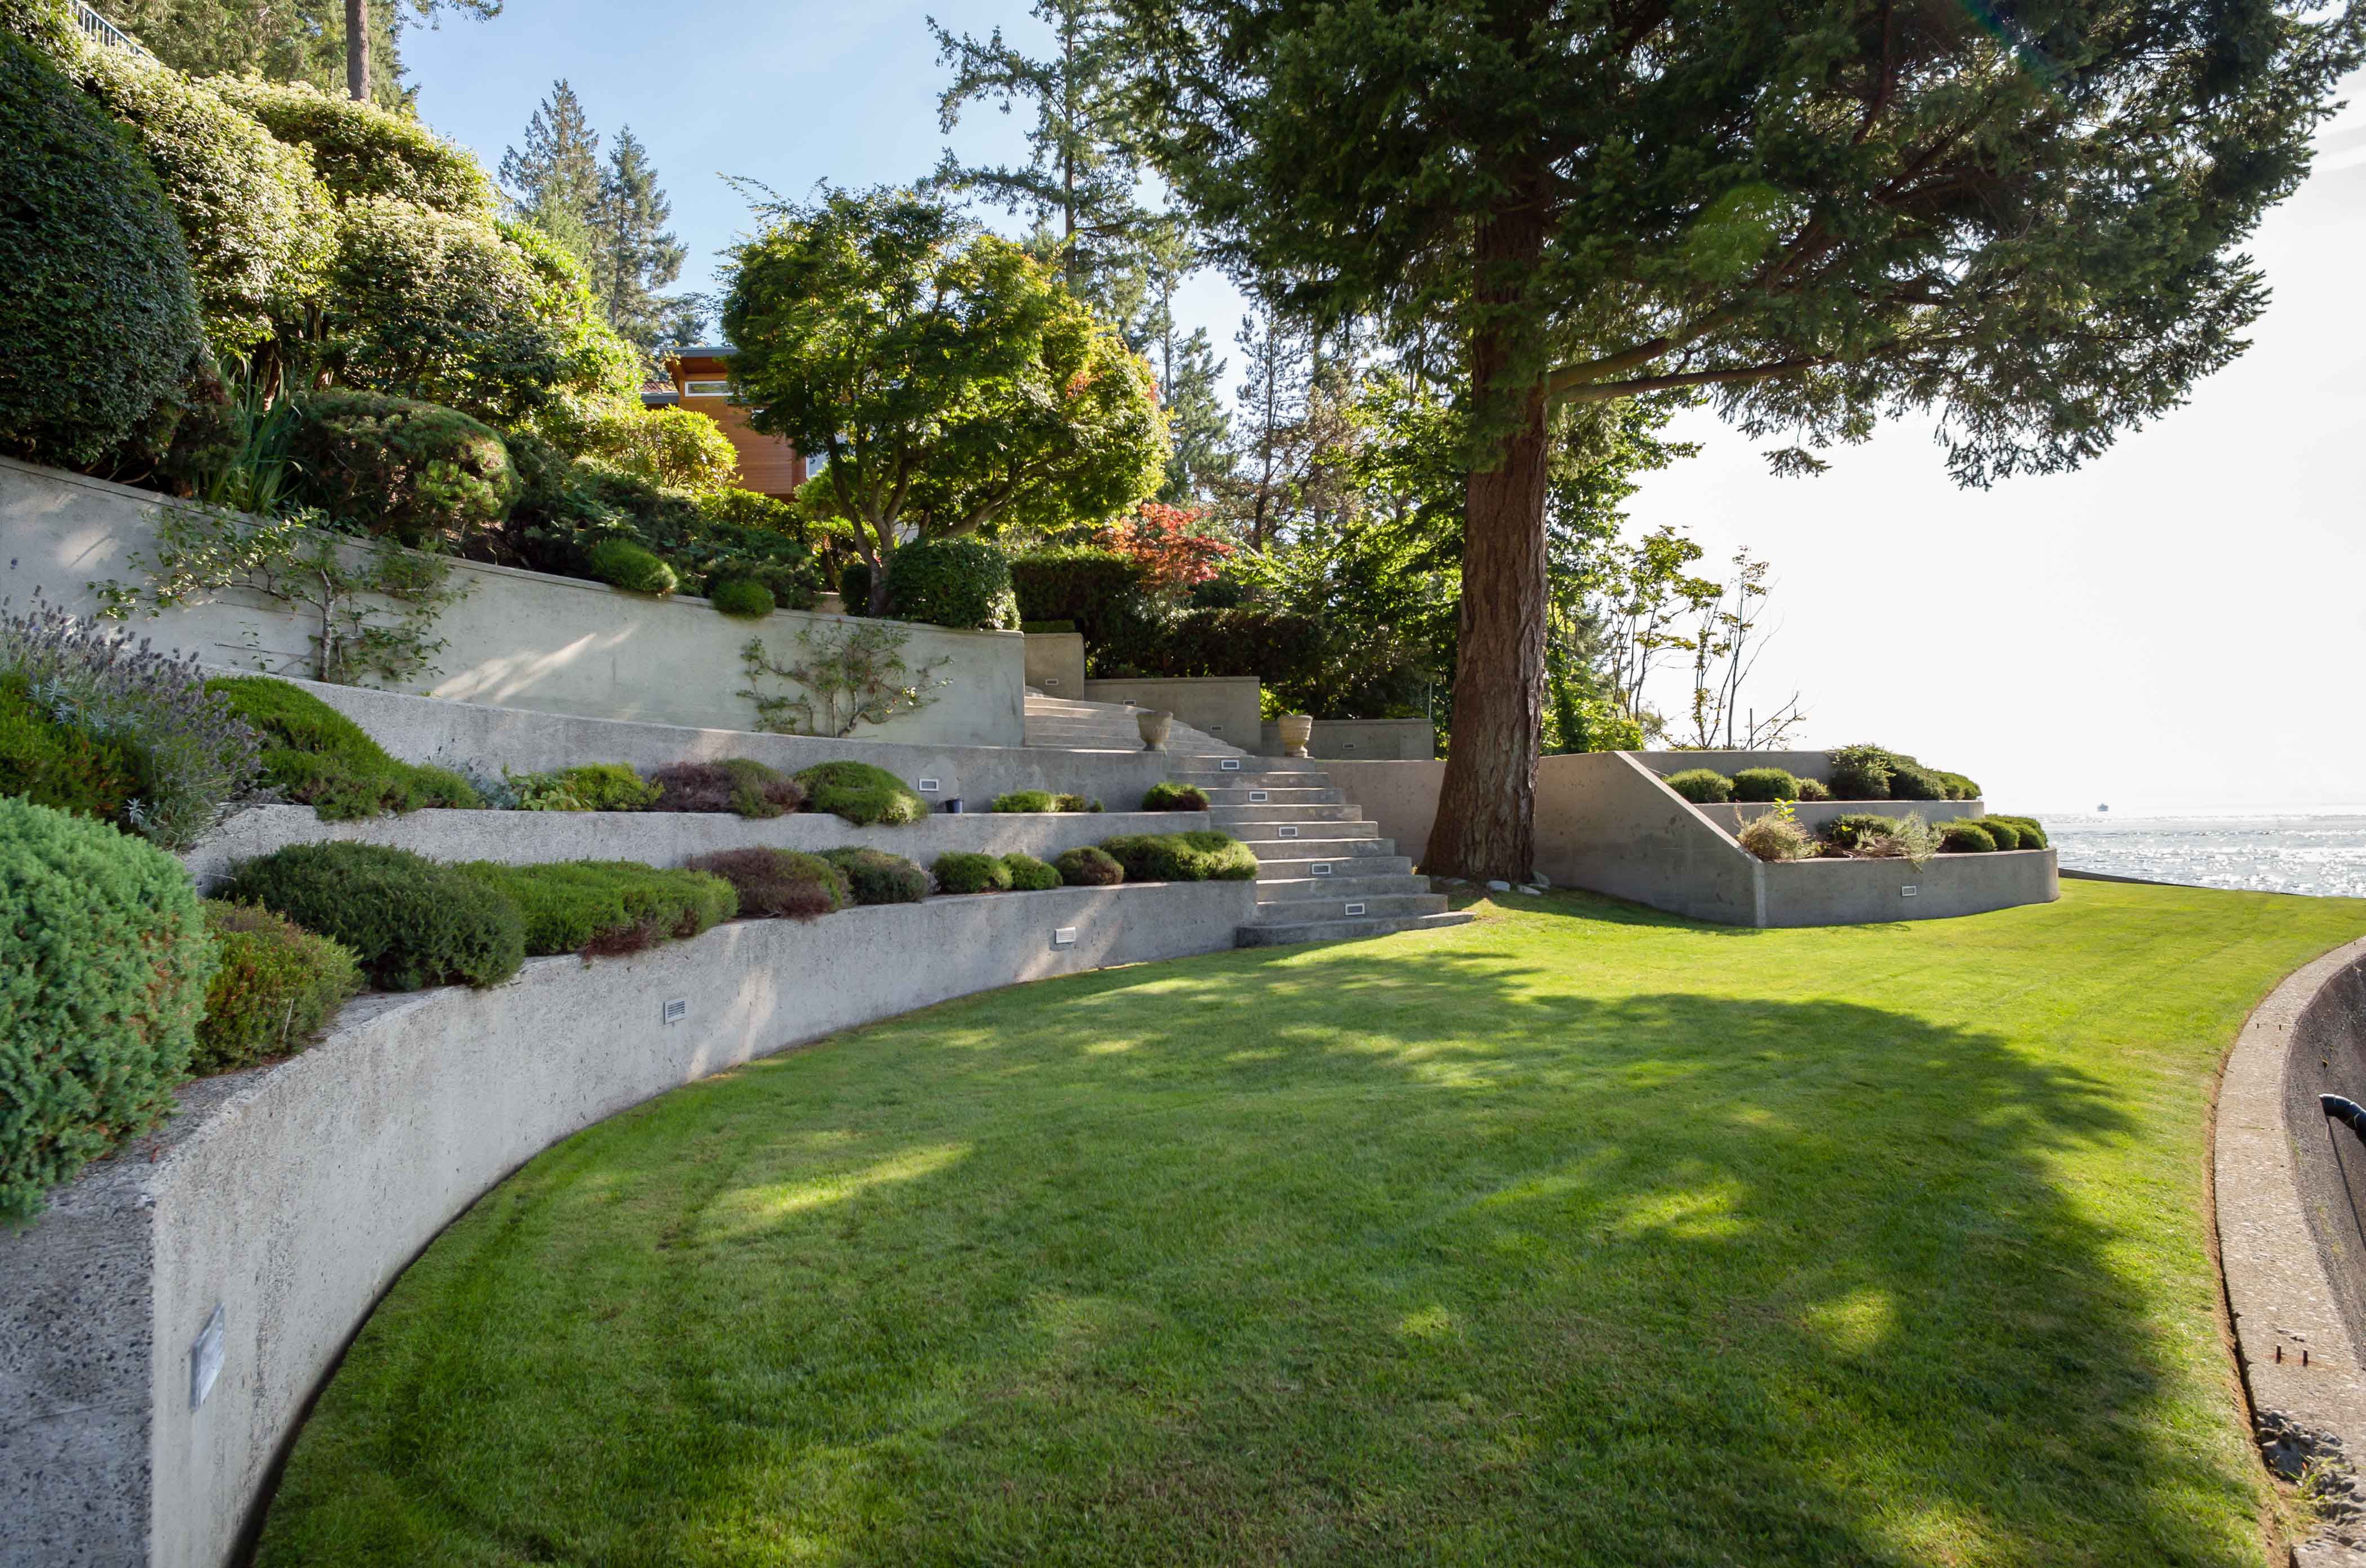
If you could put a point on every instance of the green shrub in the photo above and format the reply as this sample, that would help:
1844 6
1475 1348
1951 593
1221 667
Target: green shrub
1200 857
2007 837
961 871
314 755
1814 789
778 883
1851 830
2032 835
99 999
1075 803
50 765
1860 773
854 587
1959 788
1029 875
1025 801
1963 836
606 906
863 795
1088 868
419 474
621 564
1775 838
360 150
609 787
1169 796
1910 780
1765 784
1702 785
742 597
961 583
97 307
411 922
276 986
1097 592
877 877
737 784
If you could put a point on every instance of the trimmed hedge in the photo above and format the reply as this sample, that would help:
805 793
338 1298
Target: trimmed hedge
606 906
276 986
108 961
425 475
1765 784
1964 836
2032 835
411 922
314 755
740 785
2007 837
1075 803
1910 780
1702 785
961 583
778 883
741 597
1029 875
861 793
1097 592
877 877
1168 796
1024 800
1959 788
621 564
961 871
1201 856
1088 868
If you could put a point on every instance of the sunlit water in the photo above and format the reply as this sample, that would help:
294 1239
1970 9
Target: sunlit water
2294 854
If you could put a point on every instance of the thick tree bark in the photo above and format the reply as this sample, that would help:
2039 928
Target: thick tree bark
358 49
1487 809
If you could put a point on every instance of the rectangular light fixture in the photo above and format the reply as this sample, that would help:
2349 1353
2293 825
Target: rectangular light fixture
929 785
206 1357
1355 909
1907 892
1064 936
1290 831
674 1012
1257 797
1228 765
1320 869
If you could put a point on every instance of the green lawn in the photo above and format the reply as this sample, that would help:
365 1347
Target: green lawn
1577 1234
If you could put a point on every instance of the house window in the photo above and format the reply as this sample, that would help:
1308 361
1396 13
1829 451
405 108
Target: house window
706 389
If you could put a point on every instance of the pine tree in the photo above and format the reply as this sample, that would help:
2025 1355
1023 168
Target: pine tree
1197 421
556 180
633 253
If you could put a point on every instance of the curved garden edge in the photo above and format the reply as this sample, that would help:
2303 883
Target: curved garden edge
2279 1296
289 1196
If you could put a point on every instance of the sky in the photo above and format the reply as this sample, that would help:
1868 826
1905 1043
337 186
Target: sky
2177 627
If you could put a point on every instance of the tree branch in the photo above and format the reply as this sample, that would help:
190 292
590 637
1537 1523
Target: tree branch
1603 391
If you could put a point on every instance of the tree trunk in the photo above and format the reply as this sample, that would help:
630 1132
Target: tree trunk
358 49
1486 807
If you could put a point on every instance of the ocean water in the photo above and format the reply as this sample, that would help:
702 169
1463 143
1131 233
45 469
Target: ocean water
2295 852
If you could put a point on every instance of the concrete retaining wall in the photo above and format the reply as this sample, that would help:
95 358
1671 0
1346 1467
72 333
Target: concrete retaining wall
1223 706
1360 740
1402 797
1055 664
287 1198
1860 892
1606 822
518 639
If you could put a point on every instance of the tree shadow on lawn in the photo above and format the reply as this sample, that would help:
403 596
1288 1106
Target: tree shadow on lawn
1422 1267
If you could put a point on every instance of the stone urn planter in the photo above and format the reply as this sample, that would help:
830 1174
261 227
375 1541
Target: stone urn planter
1153 726
1297 729
830 604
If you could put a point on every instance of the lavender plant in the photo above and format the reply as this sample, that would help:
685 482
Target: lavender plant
193 756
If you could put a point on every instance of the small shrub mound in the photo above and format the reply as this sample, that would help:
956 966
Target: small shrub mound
315 754
1075 803
51 764
1169 796
1029 875
737 784
1765 784
276 986
1860 773
779 884
1814 789
1964 836
1959 788
107 961
606 906
590 786
863 795
2007 837
1777 838
1201 856
1702 785
411 922
1910 780
419 472
2032 836
1088 868
1854 830
877 877
742 597
1024 800
621 564
963 872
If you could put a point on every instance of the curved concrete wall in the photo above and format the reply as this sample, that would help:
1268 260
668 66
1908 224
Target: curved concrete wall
517 640
285 1199
2328 1056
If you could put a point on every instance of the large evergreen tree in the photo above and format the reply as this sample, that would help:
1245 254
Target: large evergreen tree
633 253
2020 216
555 177
286 41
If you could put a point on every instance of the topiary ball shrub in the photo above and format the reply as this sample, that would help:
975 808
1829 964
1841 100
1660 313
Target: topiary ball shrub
1088 868
1220 857
2032 835
862 794
1860 773
740 785
961 871
779 884
2007 837
276 986
1765 784
1910 780
606 907
1029 875
1963 836
1814 789
314 755
411 922
1025 801
621 564
1701 786
1775 838
1169 796
742 597
877 877
961 583
1075 803
1201 856
419 472
108 962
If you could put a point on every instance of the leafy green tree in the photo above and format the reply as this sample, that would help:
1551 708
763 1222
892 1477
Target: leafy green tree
2024 220
288 41
954 386
556 178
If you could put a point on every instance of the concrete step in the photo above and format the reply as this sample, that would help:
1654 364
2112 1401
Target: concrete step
1342 812
1343 929
1266 771
1298 890
1372 906
1262 794
1379 863
1280 833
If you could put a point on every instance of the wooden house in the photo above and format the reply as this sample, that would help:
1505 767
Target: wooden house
700 382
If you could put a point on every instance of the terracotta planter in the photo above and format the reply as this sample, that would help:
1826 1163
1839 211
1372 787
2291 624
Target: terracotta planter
830 604
1153 727
1297 729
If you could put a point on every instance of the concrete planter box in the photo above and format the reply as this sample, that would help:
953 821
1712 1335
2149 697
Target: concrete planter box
290 1198
1861 892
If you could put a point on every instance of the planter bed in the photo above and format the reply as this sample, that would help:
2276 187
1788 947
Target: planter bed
1860 891
1733 815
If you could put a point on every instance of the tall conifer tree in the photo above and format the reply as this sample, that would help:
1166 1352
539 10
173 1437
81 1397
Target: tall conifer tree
555 177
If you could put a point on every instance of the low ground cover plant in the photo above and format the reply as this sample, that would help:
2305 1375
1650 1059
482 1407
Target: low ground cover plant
588 787
1765 784
411 922
876 877
1702 785
737 784
1088 868
275 987
606 906
781 884
316 756
1024 800
742 597
1201 856
961 871
105 982
1167 795
1029 875
861 793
